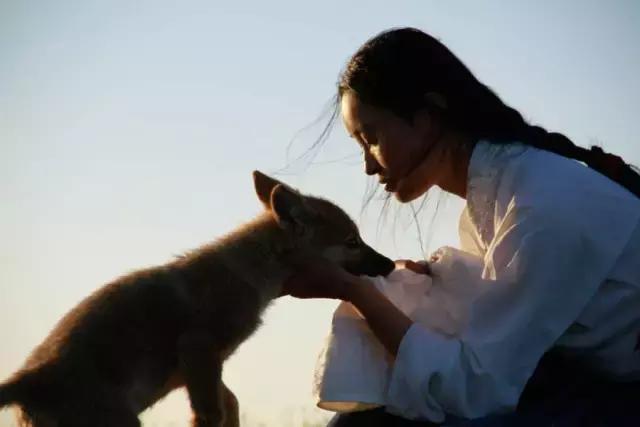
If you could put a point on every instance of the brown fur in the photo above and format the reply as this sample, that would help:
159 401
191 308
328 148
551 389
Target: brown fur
147 333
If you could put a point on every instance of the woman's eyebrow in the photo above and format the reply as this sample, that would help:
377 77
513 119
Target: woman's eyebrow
356 132
363 128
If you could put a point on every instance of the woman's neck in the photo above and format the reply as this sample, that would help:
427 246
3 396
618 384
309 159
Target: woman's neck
456 158
446 165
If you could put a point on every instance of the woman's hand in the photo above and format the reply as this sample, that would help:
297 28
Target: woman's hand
319 278
323 279
420 267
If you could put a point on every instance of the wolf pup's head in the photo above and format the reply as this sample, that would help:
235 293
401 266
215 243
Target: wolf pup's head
320 228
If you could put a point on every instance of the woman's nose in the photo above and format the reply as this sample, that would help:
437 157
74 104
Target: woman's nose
371 165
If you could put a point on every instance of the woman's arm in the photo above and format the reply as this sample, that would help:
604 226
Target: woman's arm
323 279
387 322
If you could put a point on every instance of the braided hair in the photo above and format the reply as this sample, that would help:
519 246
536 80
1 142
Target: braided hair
397 68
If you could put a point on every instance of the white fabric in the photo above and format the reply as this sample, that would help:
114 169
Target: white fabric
560 250
353 369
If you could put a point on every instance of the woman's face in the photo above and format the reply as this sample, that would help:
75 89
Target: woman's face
393 147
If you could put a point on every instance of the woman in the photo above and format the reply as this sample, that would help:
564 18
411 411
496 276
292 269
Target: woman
554 337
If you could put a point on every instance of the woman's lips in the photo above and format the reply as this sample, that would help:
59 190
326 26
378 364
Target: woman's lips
389 185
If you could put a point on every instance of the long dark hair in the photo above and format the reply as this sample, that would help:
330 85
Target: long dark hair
396 69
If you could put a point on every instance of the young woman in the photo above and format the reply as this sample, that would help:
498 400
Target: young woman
554 338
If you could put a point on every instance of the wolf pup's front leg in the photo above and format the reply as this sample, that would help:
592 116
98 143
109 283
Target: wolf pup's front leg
201 367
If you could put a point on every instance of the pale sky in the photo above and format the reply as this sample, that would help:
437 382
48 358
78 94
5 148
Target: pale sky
128 131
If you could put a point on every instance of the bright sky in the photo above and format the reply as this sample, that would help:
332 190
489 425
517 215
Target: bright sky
128 131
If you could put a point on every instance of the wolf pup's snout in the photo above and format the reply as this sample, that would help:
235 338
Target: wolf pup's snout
371 263
380 265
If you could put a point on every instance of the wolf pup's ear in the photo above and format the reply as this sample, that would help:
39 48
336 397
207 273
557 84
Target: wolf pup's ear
264 185
289 209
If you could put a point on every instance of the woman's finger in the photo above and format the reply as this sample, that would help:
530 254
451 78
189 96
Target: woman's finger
401 263
421 267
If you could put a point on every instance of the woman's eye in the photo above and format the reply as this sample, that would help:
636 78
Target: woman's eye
367 138
370 142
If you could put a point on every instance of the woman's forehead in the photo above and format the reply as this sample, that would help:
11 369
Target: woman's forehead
357 115
349 111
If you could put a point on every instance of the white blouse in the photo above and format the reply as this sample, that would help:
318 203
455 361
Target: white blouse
561 251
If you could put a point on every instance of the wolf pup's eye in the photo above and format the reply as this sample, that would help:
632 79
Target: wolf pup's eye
352 242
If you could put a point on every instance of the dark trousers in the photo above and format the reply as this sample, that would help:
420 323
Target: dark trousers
560 393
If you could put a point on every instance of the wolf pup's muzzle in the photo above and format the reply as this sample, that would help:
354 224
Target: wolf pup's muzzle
370 264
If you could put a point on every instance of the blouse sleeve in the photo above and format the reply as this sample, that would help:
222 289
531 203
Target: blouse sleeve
540 272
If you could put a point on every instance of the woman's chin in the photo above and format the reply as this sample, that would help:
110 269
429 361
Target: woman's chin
403 197
405 194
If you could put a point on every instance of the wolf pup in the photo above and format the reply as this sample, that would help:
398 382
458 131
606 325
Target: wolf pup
137 338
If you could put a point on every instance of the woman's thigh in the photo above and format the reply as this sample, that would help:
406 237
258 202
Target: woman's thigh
581 416
379 418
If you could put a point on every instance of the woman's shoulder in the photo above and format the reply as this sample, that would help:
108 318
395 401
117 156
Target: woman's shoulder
518 184
542 176
566 192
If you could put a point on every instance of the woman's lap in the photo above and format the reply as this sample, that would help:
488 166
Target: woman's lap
378 418
617 408
577 417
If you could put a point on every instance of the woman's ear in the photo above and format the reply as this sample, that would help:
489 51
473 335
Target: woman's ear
428 119
436 99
